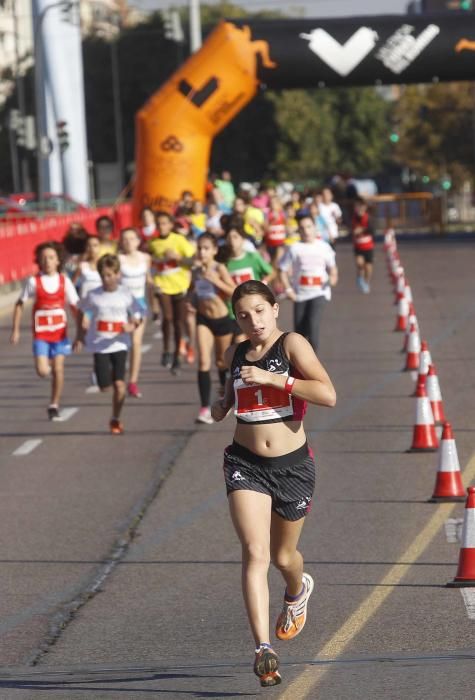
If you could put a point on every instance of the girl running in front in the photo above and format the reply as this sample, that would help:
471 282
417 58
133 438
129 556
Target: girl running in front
135 273
51 291
210 285
269 468
107 317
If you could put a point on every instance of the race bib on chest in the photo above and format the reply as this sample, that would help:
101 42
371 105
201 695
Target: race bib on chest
167 267
254 403
243 275
310 281
106 327
49 320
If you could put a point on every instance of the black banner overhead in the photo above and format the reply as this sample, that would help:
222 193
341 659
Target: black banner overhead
379 50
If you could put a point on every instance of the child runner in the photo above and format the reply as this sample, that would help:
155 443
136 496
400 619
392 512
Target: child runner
275 232
87 276
51 290
210 285
105 231
114 314
172 256
363 242
269 468
313 273
244 265
135 275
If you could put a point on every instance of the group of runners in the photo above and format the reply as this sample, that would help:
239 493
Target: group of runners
214 283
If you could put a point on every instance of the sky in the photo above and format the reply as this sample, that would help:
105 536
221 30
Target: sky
305 8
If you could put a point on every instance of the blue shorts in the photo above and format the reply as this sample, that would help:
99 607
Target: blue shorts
142 302
45 348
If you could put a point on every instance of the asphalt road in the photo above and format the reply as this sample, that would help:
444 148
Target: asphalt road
120 571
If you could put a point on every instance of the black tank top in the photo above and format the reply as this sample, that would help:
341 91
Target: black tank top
255 403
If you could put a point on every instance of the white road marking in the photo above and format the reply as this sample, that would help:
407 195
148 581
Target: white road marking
27 447
145 348
66 414
468 595
453 530
93 389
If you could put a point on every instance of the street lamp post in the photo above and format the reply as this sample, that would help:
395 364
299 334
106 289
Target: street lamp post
43 143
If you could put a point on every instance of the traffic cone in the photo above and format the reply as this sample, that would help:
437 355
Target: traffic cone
435 397
421 381
402 314
408 292
400 287
411 319
448 482
413 350
424 364
424 438
466 570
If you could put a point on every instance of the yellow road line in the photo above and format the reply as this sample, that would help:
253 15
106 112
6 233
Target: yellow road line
304 686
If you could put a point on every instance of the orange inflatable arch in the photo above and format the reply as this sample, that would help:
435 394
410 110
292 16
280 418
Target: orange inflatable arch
175 129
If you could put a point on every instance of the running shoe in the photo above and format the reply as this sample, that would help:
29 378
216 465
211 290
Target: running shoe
266 666
176 366
53 413
182 349
167 360
190 354
292 619
360 283
133 390
204 416
116 427
366 287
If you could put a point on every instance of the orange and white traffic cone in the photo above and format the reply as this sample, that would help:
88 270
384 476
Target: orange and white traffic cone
448 482
424 438
408 292
435 396
402 314
425 360
400 287
413 349
421 381
411 319
466 569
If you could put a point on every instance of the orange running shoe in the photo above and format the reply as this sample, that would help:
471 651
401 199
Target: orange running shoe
266 666
116 427
190 354
292 619
182 348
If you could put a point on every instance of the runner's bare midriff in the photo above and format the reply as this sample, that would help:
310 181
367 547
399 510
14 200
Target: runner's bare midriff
212 308
271 439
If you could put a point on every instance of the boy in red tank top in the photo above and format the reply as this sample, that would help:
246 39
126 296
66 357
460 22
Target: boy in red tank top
51 290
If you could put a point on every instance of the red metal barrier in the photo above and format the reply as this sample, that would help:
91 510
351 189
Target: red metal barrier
18 239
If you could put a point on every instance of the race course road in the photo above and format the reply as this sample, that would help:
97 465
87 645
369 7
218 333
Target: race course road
119 568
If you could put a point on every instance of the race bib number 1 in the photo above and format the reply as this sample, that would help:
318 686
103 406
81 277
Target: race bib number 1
257 402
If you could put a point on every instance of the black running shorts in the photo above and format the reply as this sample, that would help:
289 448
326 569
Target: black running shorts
218 326
110 367
288 479
367 255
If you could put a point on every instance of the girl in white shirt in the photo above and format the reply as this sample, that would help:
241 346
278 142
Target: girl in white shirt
135 275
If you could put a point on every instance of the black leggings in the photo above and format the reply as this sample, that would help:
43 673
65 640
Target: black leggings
173 317
307 317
